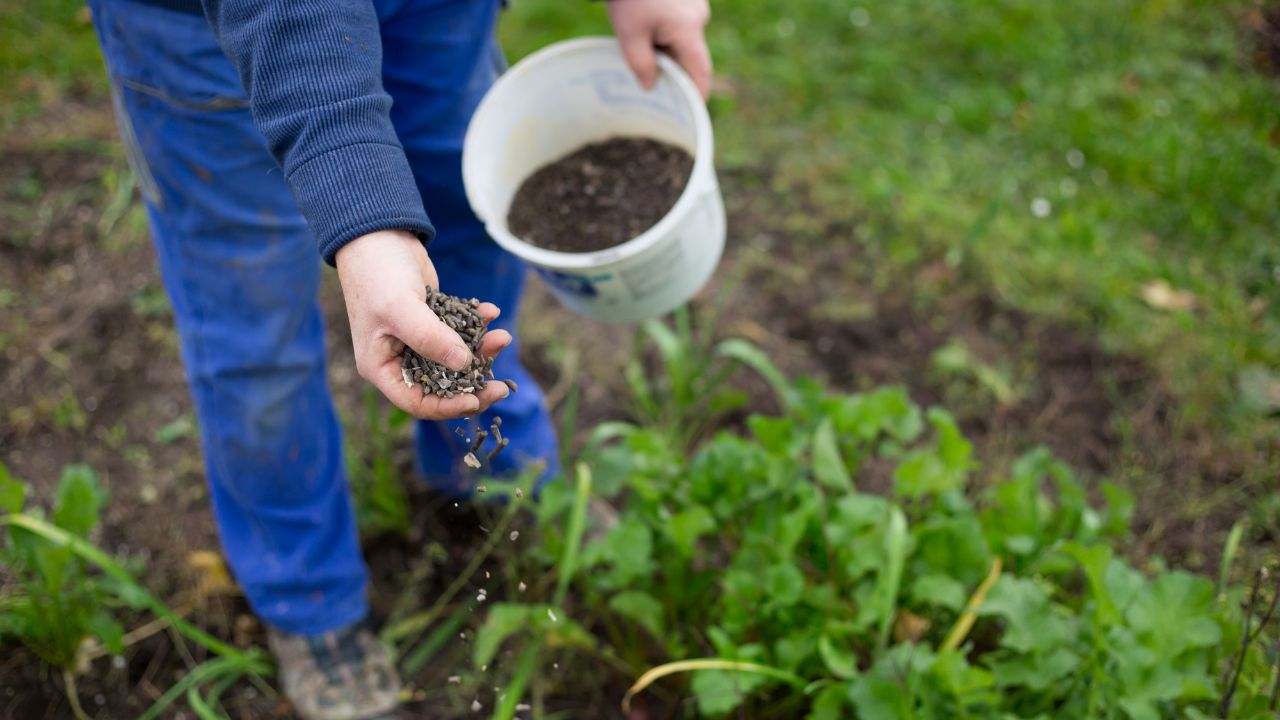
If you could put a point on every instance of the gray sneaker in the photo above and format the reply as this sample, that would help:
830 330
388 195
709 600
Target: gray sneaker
345 674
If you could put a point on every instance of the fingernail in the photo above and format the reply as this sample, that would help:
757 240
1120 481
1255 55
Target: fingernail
506 391
457 358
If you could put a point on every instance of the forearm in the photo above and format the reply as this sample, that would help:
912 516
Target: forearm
312 71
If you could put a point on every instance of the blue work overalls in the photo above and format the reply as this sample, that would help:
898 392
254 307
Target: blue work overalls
242 271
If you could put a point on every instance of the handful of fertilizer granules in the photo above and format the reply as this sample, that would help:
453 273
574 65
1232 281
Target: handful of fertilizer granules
463 316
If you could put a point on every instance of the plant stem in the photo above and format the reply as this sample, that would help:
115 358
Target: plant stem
1275 683
970 614
1246 637
73 697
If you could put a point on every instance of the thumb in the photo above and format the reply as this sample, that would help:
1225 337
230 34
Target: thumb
640 55
419 328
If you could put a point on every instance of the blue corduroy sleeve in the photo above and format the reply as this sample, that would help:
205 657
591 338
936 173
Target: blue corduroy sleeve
313 73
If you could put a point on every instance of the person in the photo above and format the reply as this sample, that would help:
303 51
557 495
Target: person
260 131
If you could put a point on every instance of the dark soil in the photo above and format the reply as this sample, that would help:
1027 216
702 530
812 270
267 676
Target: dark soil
1264 23
599 196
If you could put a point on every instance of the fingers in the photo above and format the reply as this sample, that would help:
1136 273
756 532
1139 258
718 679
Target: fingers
412 400
641 57
488 311
690 50
494 342
419 328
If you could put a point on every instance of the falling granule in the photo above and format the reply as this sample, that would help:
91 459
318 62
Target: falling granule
475 705
482 489
486 575
522 587
514 534
480 597
455 679
462 635
552 614
471 461
519 493
523 707
1041 207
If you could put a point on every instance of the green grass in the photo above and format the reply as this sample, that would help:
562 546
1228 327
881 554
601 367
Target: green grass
930 128
48 52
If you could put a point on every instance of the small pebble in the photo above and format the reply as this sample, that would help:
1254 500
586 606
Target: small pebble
514 534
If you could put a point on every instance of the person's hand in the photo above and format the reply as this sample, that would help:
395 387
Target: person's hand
644 26
384 277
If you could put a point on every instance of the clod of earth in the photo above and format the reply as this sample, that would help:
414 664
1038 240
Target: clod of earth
463 317
601 195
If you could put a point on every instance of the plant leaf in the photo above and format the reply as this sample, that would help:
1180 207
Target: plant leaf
105 628
79 500
841 663
503 621
13 492
828 466
641 608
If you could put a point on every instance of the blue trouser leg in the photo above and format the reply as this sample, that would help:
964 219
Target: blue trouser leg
241 269
242 272
439 58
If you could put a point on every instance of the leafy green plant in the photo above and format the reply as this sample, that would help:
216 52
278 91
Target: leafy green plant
57 605
66 593
382 502
691 389
758 564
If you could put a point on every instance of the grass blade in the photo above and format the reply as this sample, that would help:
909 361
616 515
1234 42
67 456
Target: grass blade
1229 551
754 358
218 667
682 666
891 579
511 694
419 656
201 708
965 622
573 536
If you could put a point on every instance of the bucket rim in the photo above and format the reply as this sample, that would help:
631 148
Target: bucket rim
703 157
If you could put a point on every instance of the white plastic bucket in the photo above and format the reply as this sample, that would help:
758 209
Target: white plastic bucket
561 98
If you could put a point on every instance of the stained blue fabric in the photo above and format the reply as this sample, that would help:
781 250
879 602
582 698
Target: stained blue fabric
239 263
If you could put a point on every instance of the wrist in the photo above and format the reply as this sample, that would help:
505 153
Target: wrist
385 239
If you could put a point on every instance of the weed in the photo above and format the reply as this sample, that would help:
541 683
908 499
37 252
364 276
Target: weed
58 605
373 469
759 553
